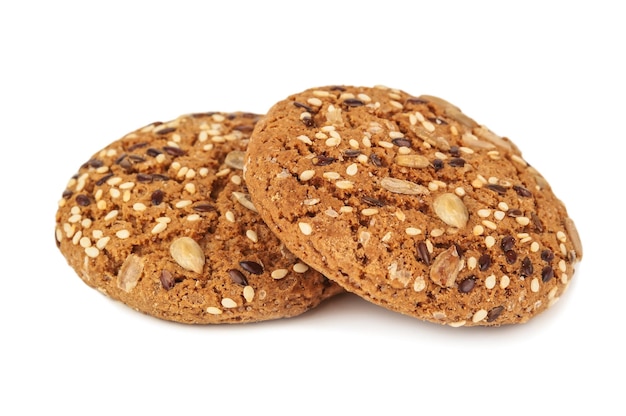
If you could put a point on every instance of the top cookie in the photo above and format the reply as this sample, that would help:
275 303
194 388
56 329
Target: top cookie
161 221
411 204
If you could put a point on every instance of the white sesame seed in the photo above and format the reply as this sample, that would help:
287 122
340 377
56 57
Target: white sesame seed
314 101
362 159
85 242
386 237
522 220
229 303
102 242
352 169
369 211
229 216
471 263
138 206
504 281
112 214
304 139
562 266
346 209
248 293
306 175
564 278
490 281
396 104
69 230
222 172
459 191
92 252
479 315
101 205
183 203
165 220
279 273
74 219
563 249
321 93
344 184
305 228
190 188
490 241
499 215
534 285
122 234
385 144
98 194
484 213
534 247
213 310
560 235
160 158
366 141
126 195
403 150
457 324
489 224
503 206
436 232
252 235
413 231
333 141
96 234
353 143
419 284
320 135
300 268
364 97
86 222
193 217
478 230
115 180
127 185
77 237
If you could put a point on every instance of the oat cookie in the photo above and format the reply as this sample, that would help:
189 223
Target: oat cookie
411 204
161 220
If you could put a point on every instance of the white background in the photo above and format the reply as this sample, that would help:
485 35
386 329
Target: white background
75 76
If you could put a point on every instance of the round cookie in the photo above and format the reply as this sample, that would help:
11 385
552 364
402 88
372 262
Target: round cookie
161 221
412 205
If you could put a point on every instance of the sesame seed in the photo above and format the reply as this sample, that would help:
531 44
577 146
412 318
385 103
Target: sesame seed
320 136
74 219
86 222
457 324
165 220
504 281
305 228
479 315
352 169
489 224
77 237
102 242
126 195
562 266
222 172
522 220
213 310
300 267
471 263
314 101
534 247
369 211
127 185
279 273
85 242
344 184
229 216
413 231
459 191
346 209
490 281
386 237
248 293
484 213
252 235
499 215
183 203
101 205
236 179
364 97
385 144
122 234
396 104
190 187
229 303
304 139
560 235
92 252
138 206
503 206
311 201
437 232
306 175
366 141
534 285
193 217
490 241
363 159
321 93
564 278
404 150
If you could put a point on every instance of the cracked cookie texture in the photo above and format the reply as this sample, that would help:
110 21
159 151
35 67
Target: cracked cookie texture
411 204
161 220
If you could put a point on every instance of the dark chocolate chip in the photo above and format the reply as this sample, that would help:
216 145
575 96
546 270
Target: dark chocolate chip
511 256
83 200
438 164
376 160
527 267
547 255
507 243
484 262
457 162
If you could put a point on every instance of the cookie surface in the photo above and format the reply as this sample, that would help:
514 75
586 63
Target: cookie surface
412 205
161 221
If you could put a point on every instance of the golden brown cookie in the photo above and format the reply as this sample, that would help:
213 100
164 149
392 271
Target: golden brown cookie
411 204
161 220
